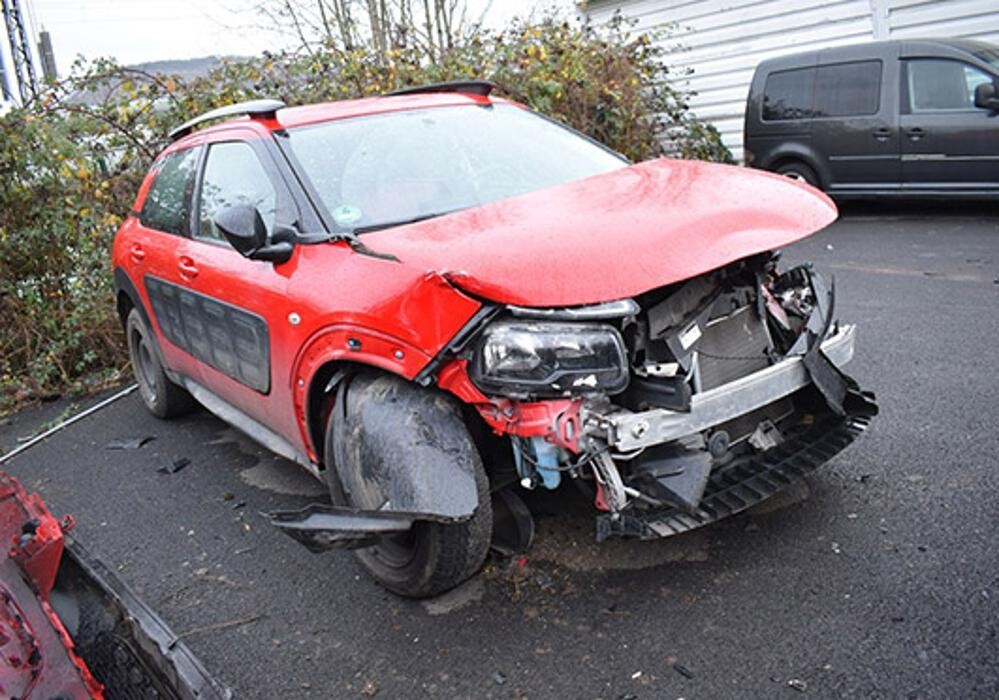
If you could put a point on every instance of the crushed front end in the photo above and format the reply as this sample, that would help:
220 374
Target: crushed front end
677 408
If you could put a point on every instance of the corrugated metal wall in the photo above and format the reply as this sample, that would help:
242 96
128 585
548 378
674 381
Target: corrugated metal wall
723 40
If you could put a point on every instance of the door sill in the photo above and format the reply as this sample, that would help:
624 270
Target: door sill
248 425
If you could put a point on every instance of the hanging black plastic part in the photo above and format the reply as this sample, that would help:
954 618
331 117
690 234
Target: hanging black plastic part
513 524
321 527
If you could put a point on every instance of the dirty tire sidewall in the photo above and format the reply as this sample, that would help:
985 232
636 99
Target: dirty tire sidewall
161 396
433 557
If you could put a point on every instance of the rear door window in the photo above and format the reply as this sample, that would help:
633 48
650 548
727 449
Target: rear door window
234 175
789 94
941 85
848 89
165 208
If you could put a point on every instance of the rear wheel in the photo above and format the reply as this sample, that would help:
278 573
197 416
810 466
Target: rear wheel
161 396
796 170
432 557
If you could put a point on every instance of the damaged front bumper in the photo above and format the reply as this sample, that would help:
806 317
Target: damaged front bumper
626 431
749 480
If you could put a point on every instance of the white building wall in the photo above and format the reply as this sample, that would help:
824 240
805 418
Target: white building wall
722 41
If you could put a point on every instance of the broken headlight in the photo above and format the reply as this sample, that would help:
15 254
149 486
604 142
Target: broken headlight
522 359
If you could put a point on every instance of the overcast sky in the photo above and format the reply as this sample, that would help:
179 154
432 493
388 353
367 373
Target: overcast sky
135 31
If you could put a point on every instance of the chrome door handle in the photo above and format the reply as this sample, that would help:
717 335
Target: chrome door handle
915 133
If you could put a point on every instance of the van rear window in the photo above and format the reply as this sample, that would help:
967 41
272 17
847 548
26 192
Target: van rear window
835 90
789 94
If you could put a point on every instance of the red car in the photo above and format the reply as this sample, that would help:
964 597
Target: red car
433 298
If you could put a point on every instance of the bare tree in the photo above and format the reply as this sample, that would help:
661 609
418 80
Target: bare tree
429 25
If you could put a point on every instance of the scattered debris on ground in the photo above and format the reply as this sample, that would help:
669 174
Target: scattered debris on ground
174 466
130 443
797 684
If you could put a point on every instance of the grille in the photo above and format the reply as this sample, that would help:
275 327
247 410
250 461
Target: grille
732 347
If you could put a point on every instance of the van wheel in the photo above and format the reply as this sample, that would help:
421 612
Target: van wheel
161 396
432 557
796 170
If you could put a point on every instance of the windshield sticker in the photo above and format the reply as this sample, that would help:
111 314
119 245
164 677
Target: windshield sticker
346 215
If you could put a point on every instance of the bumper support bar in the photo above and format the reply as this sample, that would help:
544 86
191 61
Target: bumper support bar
626 431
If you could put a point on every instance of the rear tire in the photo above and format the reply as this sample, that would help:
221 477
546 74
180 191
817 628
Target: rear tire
161 396
432 557
796 170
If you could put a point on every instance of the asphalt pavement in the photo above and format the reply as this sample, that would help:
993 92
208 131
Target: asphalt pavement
878 578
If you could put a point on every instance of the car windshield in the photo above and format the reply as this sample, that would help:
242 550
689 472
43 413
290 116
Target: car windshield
380 170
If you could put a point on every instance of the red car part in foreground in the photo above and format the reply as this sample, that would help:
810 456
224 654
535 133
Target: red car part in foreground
433 299
70 629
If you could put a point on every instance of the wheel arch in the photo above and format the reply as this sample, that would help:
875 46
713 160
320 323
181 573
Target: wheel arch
127 298
800 154
344 349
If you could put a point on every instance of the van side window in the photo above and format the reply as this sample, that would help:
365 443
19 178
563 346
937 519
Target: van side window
165 208
848 89
938 84
789 94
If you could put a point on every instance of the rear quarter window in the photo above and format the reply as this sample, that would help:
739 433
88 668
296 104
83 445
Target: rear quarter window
165 208
789 94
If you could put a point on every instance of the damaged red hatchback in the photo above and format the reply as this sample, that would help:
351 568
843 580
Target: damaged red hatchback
433 299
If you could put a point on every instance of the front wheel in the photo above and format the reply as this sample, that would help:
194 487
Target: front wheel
361 457
161 396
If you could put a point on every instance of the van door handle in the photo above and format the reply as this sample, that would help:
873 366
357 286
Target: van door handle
915 133
137 253
882 134
187 268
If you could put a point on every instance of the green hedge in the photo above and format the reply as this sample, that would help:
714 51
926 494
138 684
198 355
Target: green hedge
71 161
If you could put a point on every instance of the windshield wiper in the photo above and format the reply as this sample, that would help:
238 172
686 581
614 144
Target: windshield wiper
401 222
348 237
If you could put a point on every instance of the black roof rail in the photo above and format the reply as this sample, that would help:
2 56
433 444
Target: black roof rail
264 109
473 87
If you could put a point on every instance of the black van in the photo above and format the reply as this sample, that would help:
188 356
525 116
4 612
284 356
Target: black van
888 117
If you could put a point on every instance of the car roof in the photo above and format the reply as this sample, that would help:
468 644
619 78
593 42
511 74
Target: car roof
292 117
953 48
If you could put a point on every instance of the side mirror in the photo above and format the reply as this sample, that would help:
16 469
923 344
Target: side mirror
985 96
244 228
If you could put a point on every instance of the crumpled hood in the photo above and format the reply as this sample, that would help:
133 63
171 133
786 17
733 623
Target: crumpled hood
611 236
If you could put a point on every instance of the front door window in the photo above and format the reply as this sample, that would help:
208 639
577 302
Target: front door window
234 175
941 85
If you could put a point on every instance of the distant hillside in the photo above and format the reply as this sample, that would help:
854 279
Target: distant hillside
186 68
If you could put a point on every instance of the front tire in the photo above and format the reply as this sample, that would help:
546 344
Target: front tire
432 557
161 396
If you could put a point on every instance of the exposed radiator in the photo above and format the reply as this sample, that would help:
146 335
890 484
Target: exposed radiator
732 347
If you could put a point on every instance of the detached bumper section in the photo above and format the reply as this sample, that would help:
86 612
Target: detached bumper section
843 412
748 481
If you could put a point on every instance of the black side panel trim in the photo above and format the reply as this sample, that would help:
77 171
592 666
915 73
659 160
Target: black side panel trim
234 341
